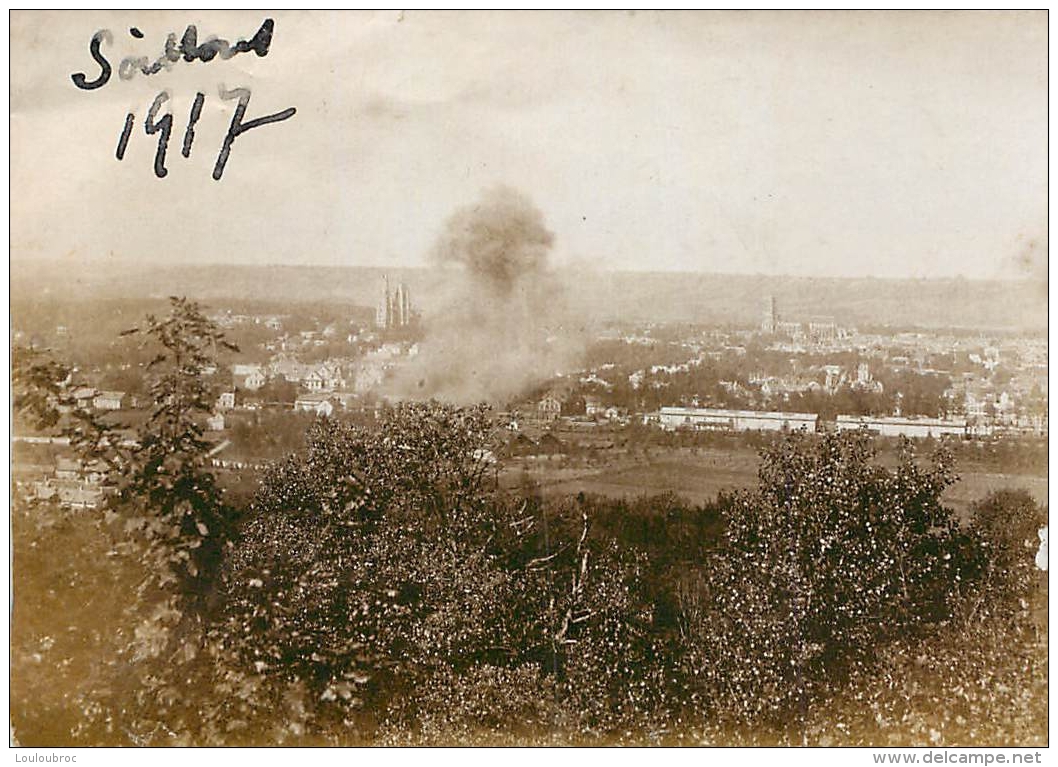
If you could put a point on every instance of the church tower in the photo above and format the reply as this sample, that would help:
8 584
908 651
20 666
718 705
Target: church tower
384 310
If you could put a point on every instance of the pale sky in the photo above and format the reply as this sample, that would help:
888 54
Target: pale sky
822 144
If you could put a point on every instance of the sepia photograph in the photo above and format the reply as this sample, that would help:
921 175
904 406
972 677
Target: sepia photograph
529 379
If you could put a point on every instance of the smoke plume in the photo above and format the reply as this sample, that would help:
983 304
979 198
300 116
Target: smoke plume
503 326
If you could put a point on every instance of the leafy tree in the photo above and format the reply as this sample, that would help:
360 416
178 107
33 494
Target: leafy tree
382 585
830 559
1007 522
350 549
37 385
160 485
164 510
165 490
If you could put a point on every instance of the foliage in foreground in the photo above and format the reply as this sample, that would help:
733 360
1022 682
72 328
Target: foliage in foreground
825 564
379 589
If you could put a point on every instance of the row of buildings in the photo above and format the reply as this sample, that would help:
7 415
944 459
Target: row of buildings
674 418
87 398
73 483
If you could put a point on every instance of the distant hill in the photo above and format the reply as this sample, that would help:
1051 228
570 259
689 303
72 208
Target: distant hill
635 296
956 303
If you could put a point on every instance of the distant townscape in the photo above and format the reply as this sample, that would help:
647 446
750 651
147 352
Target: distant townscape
787 373
651 378
642 471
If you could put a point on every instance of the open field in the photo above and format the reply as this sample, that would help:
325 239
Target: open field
696 475
699 476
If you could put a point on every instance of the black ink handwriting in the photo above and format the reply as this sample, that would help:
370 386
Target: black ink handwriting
238 127
164 127
188 49
80 79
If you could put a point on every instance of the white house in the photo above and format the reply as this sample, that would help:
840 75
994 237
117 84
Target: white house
324 377
109 400
249 377
314 381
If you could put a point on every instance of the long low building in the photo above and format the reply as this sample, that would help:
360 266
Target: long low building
734 420
896 426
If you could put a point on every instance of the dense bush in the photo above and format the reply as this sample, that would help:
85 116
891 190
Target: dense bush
828 561
1007 523
379 565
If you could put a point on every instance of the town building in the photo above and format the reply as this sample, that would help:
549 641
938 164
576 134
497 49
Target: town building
109 400
249 377
892 426
822 330
326 376
69 496
286 367
835 378
73 484
794 330
549 408
83 396
672 418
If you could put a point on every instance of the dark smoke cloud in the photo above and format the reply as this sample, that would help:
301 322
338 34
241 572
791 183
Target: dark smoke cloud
504 325
499 241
